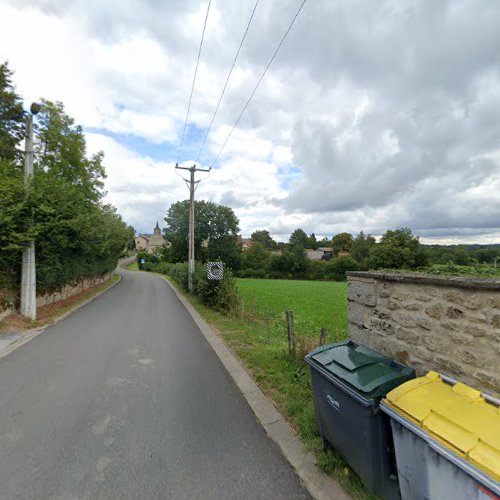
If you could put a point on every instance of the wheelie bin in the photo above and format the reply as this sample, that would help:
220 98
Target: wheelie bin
447 440
348 381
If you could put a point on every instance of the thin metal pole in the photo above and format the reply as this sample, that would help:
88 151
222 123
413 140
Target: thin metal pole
28 276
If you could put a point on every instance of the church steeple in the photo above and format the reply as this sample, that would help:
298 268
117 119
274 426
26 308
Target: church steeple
157 230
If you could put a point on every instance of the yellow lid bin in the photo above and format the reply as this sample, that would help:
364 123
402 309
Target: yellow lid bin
453 420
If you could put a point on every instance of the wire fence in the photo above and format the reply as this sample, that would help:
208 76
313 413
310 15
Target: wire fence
281 330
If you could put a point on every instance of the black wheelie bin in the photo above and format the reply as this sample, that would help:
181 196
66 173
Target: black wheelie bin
348 381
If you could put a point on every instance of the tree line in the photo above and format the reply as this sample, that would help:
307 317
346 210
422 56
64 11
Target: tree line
76 234
216 238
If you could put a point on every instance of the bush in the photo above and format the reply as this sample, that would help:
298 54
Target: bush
220 294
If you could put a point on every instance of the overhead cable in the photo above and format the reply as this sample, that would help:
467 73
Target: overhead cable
194 79
258 83
227 80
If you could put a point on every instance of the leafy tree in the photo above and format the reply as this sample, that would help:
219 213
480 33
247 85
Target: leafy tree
299 238
313 243
291 262
11 117
75 235
361 246
341 242
215 224
398 249
61 151
256 257
263 237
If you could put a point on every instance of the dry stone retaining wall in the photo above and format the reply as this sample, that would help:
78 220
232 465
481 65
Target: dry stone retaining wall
70 290
451 325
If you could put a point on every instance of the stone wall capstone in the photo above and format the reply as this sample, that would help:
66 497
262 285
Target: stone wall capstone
447 324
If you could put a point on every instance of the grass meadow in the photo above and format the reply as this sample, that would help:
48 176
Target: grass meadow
315 304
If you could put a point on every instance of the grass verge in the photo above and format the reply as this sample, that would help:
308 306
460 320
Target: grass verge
51 312
286 381
133 266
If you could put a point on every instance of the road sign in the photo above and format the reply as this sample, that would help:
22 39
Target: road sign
143 261
215 270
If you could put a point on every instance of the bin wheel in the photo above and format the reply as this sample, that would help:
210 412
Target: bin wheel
326 445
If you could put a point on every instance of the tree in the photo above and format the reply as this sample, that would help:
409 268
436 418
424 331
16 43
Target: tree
256 257
398 249
299 238
216 226
75 235
263 237
11 117
61 151
341 242
361 246
313 243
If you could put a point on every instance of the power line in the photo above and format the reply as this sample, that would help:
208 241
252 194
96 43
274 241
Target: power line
194 79
227 80
258 83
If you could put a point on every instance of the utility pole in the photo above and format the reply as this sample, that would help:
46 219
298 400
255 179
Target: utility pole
192 185
28 271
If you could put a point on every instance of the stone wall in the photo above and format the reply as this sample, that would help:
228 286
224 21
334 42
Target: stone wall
450 325
69 290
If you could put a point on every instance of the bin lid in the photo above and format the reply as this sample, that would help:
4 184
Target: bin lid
456 415
371 374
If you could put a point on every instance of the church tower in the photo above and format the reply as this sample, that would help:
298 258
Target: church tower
157 230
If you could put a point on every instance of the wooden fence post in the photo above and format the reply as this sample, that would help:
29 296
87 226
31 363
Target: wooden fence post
322 336
268 328
243 310
292 332
287 315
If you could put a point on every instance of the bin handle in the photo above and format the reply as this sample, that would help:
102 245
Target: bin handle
487 397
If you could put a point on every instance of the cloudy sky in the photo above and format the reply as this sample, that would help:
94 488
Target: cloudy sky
374 115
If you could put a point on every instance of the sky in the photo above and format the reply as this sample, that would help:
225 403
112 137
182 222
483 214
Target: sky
374 115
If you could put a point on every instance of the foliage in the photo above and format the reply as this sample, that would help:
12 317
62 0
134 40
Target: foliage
313 242
215 224
75 234
398 249
299 239
263 237
342 242
361 246
451 269
257 257
11 117
341 265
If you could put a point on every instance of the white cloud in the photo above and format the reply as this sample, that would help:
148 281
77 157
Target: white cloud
373 115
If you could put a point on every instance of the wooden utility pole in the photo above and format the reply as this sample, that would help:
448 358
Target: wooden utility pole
192 185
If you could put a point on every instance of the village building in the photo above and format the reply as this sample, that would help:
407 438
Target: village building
151 242
322 253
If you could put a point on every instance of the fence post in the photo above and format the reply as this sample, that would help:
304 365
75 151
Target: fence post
322 336
292 332
242 310
253 316
268 328
287 315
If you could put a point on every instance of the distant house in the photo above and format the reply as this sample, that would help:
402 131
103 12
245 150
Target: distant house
323 253
246 244
151 242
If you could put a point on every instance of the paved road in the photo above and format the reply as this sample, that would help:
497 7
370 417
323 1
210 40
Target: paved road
126 399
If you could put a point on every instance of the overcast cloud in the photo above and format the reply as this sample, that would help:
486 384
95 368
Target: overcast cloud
374 115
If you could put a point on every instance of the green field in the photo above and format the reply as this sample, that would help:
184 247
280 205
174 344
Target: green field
315 304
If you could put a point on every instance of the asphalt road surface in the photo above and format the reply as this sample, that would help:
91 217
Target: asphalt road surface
126 399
